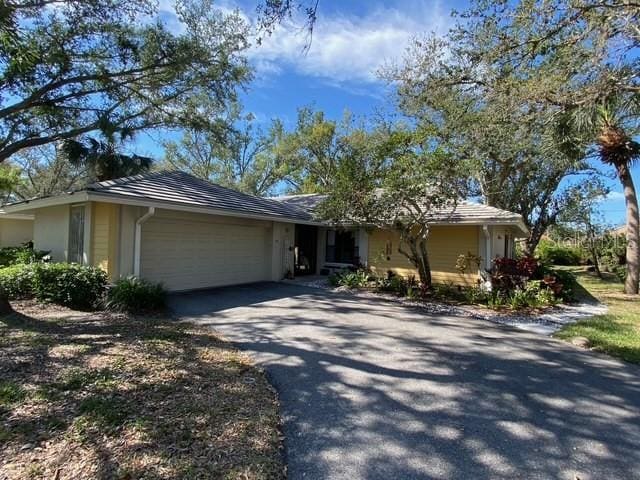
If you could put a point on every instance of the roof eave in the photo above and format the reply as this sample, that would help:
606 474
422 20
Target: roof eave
85 196
62 199
139 202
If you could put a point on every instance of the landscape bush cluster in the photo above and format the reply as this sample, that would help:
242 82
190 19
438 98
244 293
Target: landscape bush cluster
70 285
20 255
553 253
610 251
78 286
515 283
135 295
613 255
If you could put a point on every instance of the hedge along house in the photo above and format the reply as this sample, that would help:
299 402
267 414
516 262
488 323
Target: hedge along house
187 233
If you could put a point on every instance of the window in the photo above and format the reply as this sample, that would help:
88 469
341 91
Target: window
507 246
76 235
341 247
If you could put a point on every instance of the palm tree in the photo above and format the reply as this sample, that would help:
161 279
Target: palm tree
611 125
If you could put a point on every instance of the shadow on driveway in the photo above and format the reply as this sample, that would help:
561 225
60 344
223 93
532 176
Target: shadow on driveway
374 390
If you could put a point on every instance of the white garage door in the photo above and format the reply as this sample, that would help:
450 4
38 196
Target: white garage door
186 255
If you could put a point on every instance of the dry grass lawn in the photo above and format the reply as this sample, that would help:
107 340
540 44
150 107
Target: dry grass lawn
97 396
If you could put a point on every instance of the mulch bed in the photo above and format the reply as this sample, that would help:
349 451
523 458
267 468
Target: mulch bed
100 396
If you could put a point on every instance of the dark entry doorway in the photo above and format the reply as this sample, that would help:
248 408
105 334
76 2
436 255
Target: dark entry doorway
306 250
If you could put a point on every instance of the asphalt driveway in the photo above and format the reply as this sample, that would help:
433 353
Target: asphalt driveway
374 390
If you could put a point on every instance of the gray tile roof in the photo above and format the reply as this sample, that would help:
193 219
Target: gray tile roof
464 212
308 202
181 188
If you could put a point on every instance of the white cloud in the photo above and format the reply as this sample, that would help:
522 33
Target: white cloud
345 48
614 196
349 48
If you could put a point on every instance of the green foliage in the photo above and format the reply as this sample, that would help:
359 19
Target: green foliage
135 295
10 393
107 66
45 173
563 283
479 108
358 279
20 255
394 177
534 294
102 160
9 180
468 262
447 291
553 253
71 285
16 281
235 153
475 295
613 255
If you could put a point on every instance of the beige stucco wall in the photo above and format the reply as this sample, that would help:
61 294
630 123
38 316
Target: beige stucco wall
282 252
445 244
14 232
51 231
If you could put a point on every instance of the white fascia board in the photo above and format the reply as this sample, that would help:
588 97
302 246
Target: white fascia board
64 199
15 216
136 202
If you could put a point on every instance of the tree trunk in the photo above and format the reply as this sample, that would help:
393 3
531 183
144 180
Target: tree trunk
417 255
424 269
633 236
5 306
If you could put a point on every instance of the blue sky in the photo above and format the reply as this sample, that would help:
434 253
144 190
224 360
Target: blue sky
352 40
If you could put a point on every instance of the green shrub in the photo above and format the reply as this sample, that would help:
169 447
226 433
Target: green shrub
562 283
475 294
620 271
395 284
534 294
16 281
447 291
71 285
357 279
135 295
20 255
552 253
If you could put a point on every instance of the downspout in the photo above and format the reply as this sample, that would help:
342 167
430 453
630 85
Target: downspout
487 253
137 240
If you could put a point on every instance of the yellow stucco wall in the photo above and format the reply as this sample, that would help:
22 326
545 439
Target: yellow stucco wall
445 244
104 239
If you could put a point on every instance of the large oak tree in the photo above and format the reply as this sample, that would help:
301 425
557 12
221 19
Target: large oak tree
68 68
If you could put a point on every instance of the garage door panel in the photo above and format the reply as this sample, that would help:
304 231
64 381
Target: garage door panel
189 255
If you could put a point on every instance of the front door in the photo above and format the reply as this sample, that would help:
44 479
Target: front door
306 248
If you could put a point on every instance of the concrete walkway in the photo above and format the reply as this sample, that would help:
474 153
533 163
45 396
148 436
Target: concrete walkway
376 390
